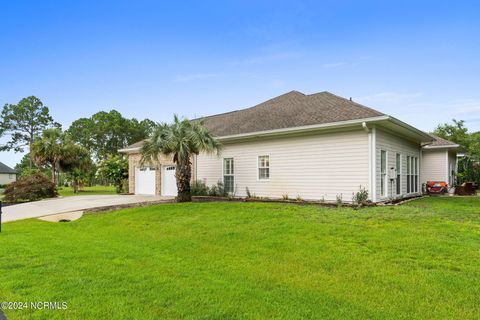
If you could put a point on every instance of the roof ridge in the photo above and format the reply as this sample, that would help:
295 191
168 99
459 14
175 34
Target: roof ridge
348 100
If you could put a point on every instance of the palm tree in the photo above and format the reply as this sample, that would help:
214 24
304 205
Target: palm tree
48 149
182 139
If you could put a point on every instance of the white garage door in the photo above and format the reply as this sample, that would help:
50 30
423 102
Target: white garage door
145 180
169 183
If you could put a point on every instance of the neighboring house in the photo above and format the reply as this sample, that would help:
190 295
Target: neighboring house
7 174
317 146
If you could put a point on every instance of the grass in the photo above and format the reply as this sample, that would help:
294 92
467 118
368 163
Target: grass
250 261
86 191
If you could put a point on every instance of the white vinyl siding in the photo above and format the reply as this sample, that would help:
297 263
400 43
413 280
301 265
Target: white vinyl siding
319 166
394 144
434 165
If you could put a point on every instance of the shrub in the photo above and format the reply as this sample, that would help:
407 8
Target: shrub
339 199
217 190
34 187
361 197
199 188
285 196
298 198
250 195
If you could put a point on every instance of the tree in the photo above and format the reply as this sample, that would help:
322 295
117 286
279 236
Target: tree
49 149
106 132
456 132
57 150
182 139
115 170
76 162
23 122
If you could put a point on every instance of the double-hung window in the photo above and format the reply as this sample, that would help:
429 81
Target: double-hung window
412 174
228 175
263 167
398 169
383 173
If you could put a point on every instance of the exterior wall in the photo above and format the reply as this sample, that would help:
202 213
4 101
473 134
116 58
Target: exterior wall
6 178
134 162
319 166
434 165
452 168
394 144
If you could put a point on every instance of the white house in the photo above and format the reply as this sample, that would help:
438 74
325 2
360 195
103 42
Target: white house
317 146
7 174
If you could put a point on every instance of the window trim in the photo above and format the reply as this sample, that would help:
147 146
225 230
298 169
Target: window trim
230 175
258 168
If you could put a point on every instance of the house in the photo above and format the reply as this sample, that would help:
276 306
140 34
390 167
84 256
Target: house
7 174
316 146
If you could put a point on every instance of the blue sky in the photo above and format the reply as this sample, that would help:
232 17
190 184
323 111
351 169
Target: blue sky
415 60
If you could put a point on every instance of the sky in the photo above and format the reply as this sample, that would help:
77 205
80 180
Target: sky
415 60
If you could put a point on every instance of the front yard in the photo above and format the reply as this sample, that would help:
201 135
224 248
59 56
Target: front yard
250 260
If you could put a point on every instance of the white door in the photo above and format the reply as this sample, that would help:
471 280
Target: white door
145 180
169 183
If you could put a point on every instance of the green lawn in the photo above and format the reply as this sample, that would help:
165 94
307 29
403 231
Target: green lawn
86 191
250 261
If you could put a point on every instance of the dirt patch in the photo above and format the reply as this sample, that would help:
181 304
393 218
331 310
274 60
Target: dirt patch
63 217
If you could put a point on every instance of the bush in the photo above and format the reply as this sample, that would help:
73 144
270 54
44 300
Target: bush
361 197
217 190
199 188
34 187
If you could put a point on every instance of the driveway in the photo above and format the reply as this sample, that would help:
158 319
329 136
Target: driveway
69 204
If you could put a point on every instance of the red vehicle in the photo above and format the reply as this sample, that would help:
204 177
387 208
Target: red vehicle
437 187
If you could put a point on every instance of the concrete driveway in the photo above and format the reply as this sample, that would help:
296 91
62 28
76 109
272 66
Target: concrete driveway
70 204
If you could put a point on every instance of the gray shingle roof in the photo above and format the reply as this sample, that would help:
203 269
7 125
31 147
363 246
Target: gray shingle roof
441 142
6 169
292 109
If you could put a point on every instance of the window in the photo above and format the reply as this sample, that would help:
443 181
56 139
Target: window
398 167
10 176
415 174
412 174
228 175
263 167
383 172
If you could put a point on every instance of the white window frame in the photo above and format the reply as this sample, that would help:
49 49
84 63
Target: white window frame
258 168
232 174
383 175
398 168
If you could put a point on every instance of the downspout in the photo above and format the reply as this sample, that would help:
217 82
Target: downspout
370 161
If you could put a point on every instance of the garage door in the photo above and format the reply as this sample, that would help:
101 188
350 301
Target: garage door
145 180
169 183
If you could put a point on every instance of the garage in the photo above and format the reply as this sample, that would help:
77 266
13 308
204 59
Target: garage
169 182
145 180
